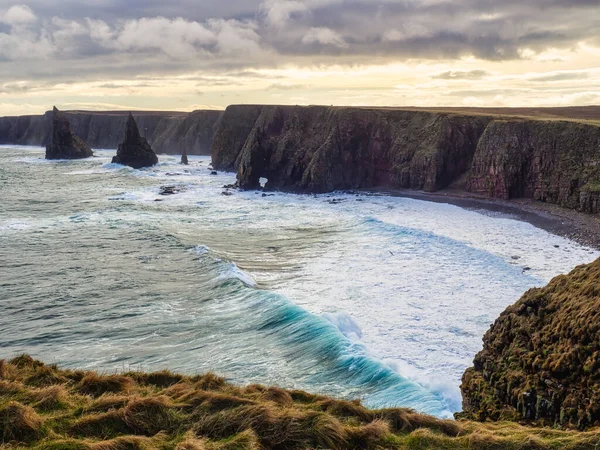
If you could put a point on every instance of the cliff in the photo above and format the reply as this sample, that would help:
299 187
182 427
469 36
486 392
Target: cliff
44 407
65 144
168 132
550 161
540 361
321 149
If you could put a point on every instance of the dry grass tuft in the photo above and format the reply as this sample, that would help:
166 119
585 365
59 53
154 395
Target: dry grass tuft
277 395
50 398
23 361
209 382
107 403
215 402
405 420
346 409
368 436
149 416
19 423
7 370
97 385
45 376
104 426
162 379
125 443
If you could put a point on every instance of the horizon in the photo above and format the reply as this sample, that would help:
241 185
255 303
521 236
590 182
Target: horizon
182 56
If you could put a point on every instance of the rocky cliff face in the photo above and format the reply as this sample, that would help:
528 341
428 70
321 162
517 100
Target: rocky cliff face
134 151
320 149
541 359
550 161
65 144
170 133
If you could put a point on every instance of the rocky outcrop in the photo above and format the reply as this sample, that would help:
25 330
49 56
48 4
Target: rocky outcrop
167 132
321 149
540 361
550 161
134 151
184 158
65 144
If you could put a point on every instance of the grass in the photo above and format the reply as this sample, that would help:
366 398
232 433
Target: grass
45 407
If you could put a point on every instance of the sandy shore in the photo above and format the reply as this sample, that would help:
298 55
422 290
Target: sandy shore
579 227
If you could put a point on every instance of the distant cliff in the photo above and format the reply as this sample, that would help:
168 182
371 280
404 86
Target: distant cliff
167 132
321 149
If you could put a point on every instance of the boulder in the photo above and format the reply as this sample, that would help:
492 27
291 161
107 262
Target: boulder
134 151
65 144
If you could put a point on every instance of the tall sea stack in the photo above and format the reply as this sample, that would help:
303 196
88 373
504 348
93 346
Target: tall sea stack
184 158
134 151
65 144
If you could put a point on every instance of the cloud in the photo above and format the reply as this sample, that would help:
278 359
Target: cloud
460 75
18 15
324 36
561 76
279 12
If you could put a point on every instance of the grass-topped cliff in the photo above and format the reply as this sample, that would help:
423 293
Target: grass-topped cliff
541 359
44 407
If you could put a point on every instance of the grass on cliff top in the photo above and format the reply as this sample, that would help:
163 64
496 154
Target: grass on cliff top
44 407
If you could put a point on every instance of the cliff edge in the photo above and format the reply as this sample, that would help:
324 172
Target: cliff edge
540 361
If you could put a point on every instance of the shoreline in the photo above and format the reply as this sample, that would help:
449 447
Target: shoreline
574 225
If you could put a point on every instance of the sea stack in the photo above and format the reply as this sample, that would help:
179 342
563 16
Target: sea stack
184 158
134 151
65 144
540 362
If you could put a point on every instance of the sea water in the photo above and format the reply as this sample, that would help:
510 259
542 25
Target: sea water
380 298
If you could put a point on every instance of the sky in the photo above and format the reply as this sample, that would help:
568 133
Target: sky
184 55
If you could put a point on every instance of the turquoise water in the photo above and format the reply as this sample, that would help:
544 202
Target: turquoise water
359 296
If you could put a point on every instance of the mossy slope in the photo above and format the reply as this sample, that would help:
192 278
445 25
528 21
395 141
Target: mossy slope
541 359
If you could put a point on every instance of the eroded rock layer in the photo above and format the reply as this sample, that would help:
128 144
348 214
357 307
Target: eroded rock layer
540 361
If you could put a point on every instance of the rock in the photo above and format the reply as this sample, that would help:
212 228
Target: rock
540 362
184 158
65 144
134 151
214 172
169 190
226 193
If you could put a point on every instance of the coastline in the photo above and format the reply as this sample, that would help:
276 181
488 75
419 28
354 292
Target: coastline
574 225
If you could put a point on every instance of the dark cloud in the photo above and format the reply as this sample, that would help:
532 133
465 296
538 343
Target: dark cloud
107 38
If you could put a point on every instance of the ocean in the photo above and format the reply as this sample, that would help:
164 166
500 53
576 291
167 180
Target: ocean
356 295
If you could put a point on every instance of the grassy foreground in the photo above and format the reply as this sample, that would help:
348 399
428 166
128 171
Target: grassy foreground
44 407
